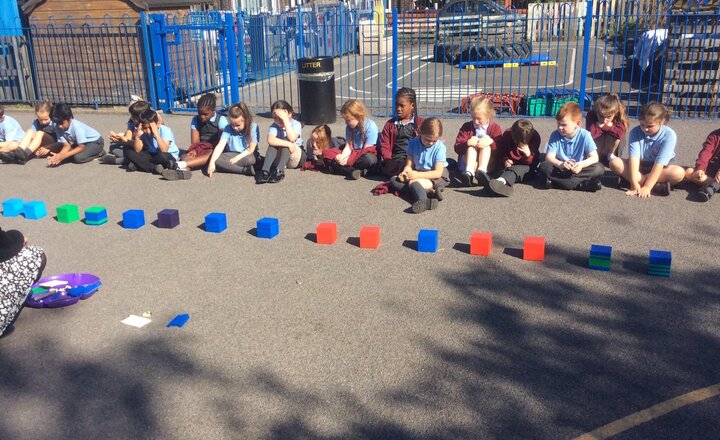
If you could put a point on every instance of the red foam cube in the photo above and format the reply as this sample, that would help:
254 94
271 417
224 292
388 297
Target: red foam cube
326 233
370 237
534 249
481 243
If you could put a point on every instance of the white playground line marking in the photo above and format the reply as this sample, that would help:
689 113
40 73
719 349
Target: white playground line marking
371 77
614 428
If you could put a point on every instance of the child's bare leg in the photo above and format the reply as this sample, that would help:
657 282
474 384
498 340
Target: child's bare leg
483 158
673 174
620 167
6 147
197 161
471 159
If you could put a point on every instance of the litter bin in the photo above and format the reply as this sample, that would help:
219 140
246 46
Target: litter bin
316 83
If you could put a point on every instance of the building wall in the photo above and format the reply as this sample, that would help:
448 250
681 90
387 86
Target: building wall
59 9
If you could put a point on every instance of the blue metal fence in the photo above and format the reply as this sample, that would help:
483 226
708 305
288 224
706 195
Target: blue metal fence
529 62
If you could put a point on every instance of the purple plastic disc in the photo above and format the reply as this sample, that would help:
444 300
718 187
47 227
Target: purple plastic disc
89 282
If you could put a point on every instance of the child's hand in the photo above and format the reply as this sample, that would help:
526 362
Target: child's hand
190 154
42 152
631 192
154 127
576 168
115 137
411 175
524 149
473 141
341 160
644 193
138 132
485 141
717 177
282 114
54 159
508 163
211 168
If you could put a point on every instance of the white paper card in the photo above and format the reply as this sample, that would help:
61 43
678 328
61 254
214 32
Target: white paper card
136 321
53 283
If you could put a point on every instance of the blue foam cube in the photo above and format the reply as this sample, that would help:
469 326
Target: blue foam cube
600 251
660 257
133 219
428 240
35 210
215 222
13 207
268 227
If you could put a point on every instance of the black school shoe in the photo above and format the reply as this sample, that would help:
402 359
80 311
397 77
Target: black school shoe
661 189
707 192
465 178
276 176
592 185
176 174
423 205
482 178
263 177
8 157
21 155
498 188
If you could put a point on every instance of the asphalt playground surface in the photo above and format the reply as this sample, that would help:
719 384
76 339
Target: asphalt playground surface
288 339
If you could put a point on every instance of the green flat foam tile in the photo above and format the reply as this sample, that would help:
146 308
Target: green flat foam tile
666 275
659 266
97 223
602 268
658 271
596 262
95 209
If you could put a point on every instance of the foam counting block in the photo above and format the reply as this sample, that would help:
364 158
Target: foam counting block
481 243
168 218
35 210
68 213
427 240
370 237
13 207
268 227
133 219
96 216
534 249
326 233
215 222
659 263
600 257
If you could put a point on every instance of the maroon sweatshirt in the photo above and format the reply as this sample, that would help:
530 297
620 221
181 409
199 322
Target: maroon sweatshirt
592 124
387 136
710 150
510 150
468 130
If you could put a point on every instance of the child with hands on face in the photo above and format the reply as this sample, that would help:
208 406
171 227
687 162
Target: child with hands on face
607 123
153 146
519 147
571 159
425 168
284 144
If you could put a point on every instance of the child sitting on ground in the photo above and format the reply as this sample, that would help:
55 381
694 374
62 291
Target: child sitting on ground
235 153
118 142
520 149
707 167
284 144
475 142
652 152
425 168
321 139
571 159
11 133
398 131
79 142
607 124
360 152
37 139
205 131
153 148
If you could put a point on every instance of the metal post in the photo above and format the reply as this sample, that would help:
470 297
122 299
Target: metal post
241 47
232 57
394 56
586 49
300 33
160 65
149 71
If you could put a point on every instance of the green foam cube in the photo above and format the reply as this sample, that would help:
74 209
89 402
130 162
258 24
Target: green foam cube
68 213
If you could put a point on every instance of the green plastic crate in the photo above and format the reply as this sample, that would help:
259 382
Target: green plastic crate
536 106
556 103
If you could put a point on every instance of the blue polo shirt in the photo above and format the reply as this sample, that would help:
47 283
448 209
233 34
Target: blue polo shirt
355 135
11 130
659 148
77 133
424 158
237 142
151 145
577 148
281 133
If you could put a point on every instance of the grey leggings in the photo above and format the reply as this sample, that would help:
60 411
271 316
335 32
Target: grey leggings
223 163
276 157
92 150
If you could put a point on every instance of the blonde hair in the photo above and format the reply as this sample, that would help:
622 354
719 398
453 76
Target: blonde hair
323 137
483 105
610 105
357 110
655 112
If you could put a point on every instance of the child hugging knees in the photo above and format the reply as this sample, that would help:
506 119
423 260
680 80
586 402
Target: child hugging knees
571 159
425 168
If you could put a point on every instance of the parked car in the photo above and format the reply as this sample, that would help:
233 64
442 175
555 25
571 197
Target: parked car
479 30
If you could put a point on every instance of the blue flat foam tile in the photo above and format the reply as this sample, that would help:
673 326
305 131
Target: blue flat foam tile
597 250
179 320
13 207
215 222
133 219
428 240
35 210
604 269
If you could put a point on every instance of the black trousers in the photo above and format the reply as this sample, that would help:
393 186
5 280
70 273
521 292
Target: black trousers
565 179
146 161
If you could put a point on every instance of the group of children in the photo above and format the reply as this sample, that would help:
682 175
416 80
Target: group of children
409 150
